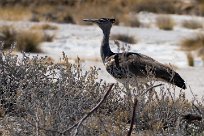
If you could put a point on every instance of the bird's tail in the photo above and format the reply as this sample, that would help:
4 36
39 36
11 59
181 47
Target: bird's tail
178 81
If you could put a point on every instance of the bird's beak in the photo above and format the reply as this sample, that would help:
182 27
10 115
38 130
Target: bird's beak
91 20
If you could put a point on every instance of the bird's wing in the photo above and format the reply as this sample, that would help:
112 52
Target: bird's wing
138 64
144 66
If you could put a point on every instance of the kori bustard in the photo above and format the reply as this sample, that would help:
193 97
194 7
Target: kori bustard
133 67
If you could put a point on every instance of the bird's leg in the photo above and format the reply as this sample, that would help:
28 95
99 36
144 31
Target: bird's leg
129 96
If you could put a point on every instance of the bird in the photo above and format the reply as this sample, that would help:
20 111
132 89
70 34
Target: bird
131 67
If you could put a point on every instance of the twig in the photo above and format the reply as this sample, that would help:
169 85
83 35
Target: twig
78 124
134 108
196 101
133 117
151 88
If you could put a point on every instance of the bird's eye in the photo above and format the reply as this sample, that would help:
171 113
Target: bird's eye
112 20
102 20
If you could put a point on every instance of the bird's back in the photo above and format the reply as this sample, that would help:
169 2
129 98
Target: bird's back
128 65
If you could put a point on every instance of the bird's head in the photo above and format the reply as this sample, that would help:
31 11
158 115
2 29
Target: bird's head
104 23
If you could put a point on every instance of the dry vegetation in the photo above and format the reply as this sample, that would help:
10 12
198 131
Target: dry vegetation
156 6
29 41
165 22
45 27
47 99
26 40
195 42
190 59
201 7
73 11
192 24
129 20
124 38
15 13
7 35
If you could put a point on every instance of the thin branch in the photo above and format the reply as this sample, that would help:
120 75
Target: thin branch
78 124
133 117
134 108
148 89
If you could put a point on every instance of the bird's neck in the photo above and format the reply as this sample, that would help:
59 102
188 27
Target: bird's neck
105 48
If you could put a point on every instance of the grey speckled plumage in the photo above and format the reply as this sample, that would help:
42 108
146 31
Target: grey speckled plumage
129 65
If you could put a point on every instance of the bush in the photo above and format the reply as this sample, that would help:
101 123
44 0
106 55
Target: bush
29 41
194 42
48 37
45 27
192 24
129 20
7 35
190 59
46 99
165 22
155 6
66 18
14 13
124 38
201 7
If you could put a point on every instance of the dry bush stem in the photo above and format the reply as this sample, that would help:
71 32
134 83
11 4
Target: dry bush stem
78 124
133 117
134 108
196 101
148 89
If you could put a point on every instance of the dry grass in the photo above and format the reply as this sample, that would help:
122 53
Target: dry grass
7 35
124 38
45 27
165 22
29 41
129 20
97 10
75 11
14 13
194 42
201 7
201 53
155 6
190 59
192 24
48 37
